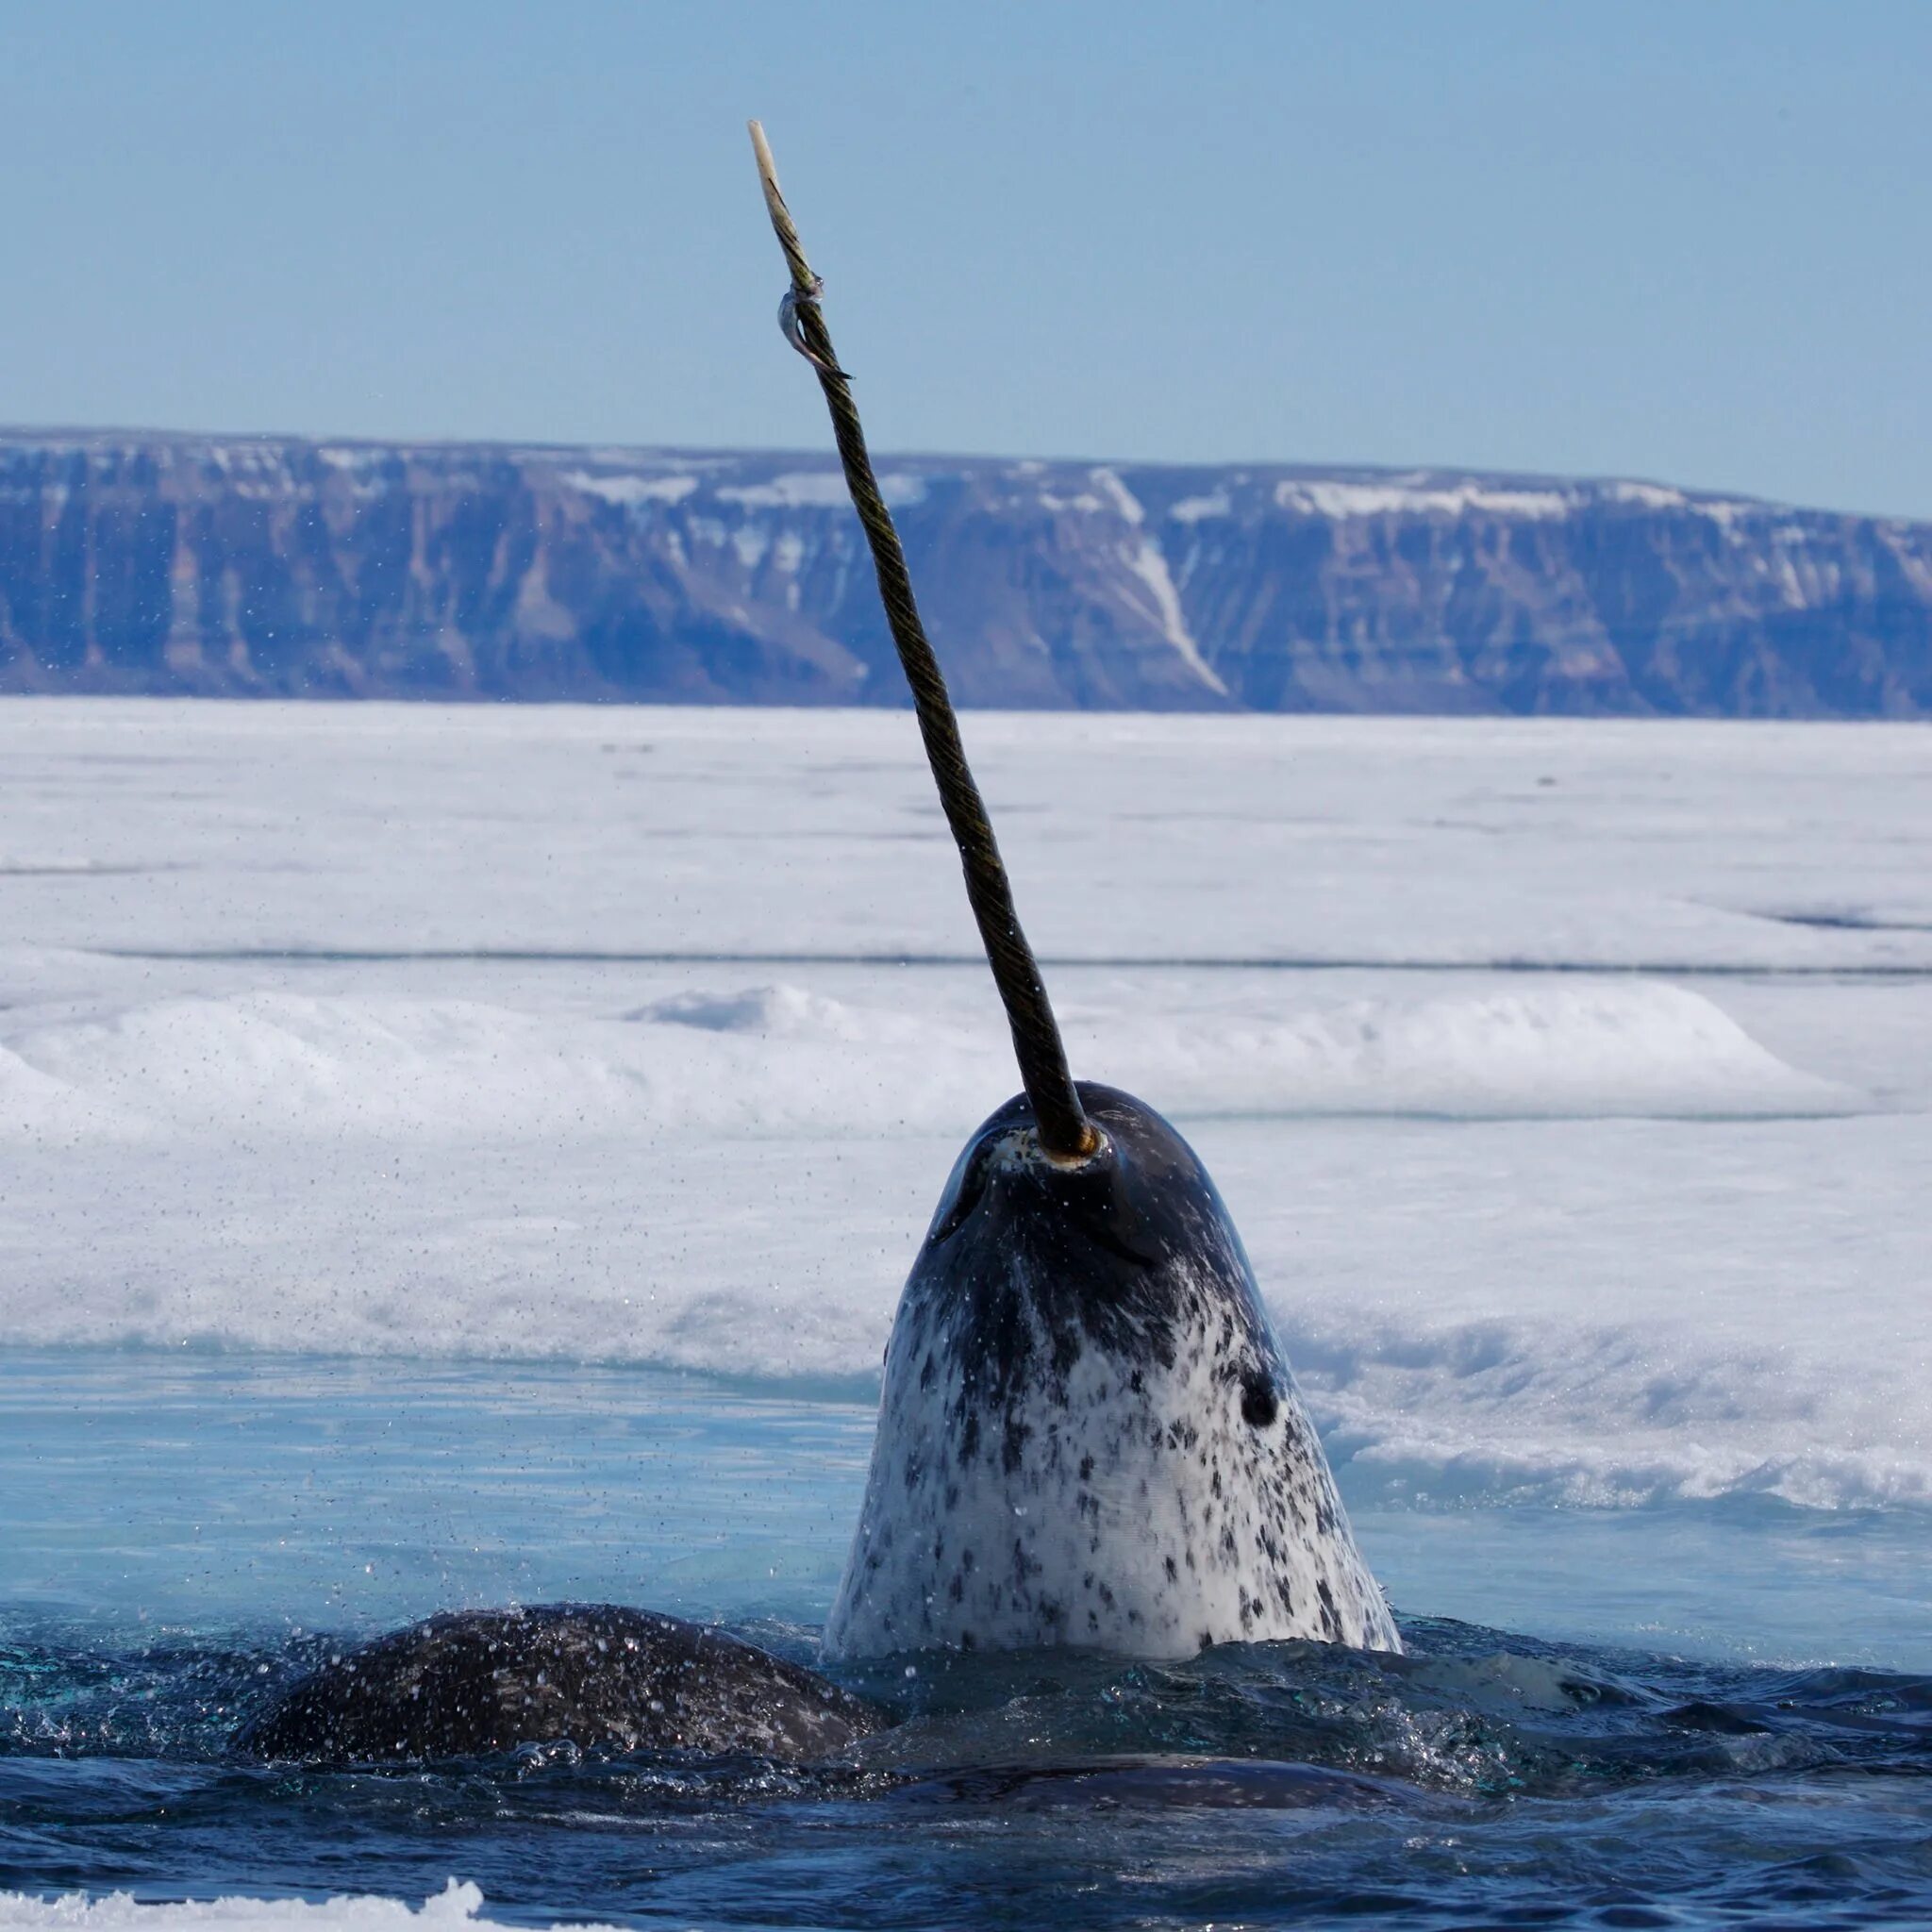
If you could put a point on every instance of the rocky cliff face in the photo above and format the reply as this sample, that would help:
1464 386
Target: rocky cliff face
176 564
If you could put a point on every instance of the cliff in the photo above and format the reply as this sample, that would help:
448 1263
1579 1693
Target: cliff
148 562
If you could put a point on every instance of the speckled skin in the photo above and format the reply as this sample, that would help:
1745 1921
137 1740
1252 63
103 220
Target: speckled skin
1088 1433
476 1682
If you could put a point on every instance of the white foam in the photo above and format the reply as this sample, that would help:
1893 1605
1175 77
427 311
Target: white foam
458 1905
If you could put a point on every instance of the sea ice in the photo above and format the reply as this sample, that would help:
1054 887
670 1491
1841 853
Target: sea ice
1568 1081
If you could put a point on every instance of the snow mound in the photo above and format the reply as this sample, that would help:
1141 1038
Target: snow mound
1596 1049
36 1108
1567 1412
773 1060
783 1060
786 1011
294 1062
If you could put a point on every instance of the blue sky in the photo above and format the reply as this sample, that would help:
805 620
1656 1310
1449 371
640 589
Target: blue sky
1681 241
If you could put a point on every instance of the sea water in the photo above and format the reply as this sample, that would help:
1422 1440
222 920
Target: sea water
470 1158
1683 1719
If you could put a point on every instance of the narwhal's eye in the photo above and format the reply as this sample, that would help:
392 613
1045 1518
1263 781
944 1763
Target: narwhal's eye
1260 1406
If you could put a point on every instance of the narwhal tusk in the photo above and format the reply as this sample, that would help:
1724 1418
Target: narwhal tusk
1065 1131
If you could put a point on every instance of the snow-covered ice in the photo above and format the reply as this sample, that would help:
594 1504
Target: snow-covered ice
1568 1081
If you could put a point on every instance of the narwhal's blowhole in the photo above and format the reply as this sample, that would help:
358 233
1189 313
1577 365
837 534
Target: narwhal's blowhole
1017 1150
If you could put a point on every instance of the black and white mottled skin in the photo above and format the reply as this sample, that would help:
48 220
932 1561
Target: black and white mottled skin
1088 1433
476 1682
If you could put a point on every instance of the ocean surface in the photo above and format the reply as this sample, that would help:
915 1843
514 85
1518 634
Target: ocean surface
461 1157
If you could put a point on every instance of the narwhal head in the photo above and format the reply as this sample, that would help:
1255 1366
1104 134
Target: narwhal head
1088 1433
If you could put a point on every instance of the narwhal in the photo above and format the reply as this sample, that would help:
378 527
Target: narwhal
1088 1432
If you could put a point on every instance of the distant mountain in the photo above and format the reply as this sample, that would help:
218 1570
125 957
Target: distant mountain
148 562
